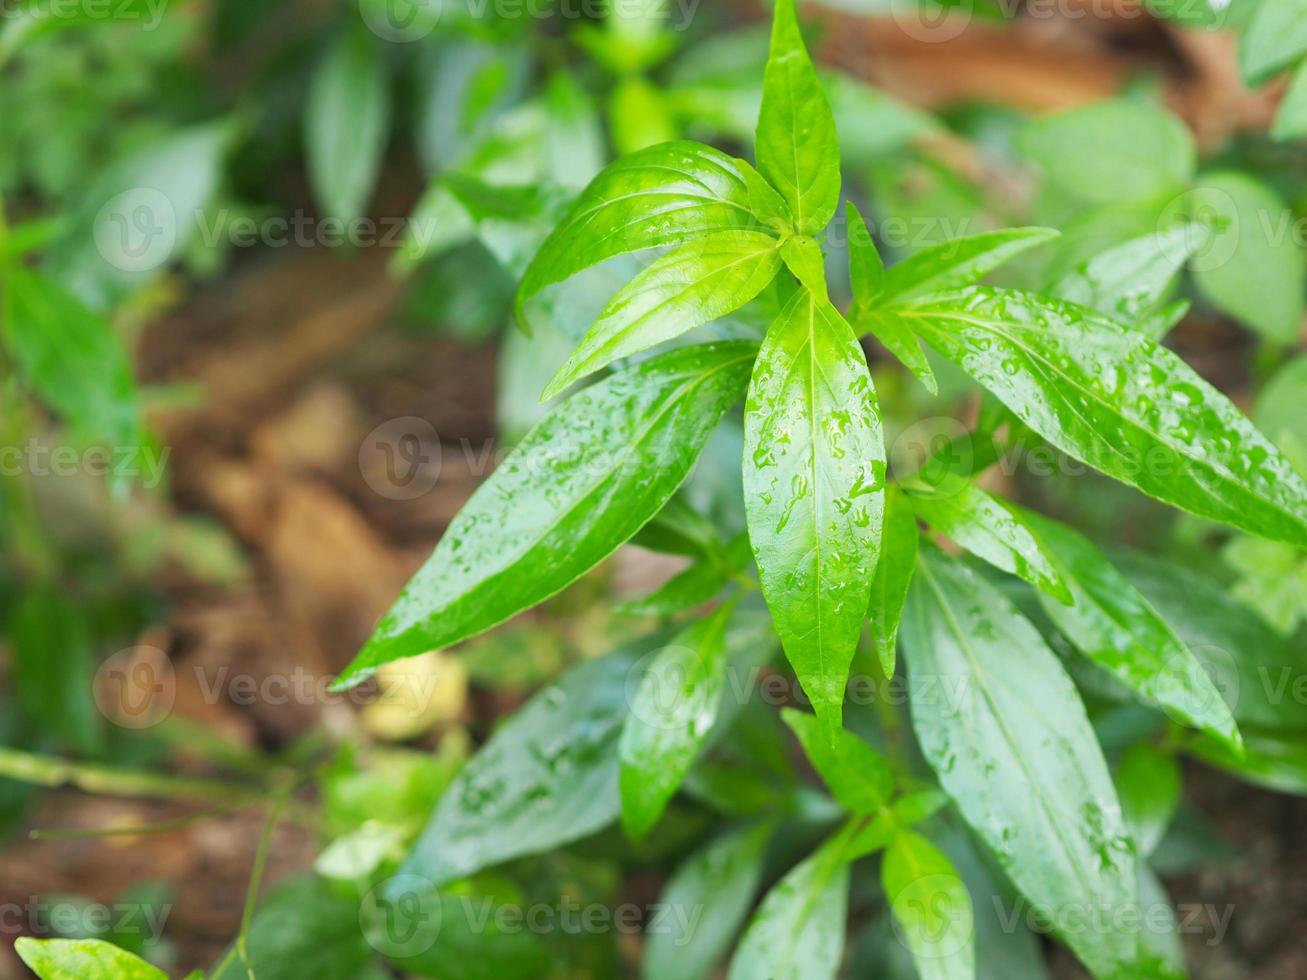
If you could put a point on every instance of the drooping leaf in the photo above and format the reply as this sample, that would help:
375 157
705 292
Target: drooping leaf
83 959
1148 782
954 263
673 710
686 288
796 146
611 457
346 122
721 879
894 569
1116 400
1116 627
1038 792
664 195
932 906
814 479
798 931
858 776
1275 36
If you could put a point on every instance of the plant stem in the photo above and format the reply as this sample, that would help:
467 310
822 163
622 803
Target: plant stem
48 771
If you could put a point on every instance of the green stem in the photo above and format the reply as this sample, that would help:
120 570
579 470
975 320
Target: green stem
77 833
48 771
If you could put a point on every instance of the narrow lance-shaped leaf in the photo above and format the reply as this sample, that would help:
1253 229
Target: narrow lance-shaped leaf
894 568
1116 400
932 908
989 528
859 777
579 485
671 714
957 262
797 148
814 479
663 195
1148 780
1116 627
1007 735
686 288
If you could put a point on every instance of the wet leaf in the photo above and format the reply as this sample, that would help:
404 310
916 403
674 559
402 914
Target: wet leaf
932 906
1002 725
814 482
954 263
579 484
857 775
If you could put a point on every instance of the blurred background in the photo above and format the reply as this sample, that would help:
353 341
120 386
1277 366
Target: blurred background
258 263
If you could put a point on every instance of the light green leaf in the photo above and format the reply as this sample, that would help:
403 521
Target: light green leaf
866 267
1254 269
894 569
803 258
957 262
989 528
798 931
639 116
612 455
346 122
664 195
71 357
1006 733
685 590
1129 282
720 878
767 204
797 148
1291 118
1276 35
573 137
932 906
1279 410
83 959
1111 151
671 715
1148 781
858 776
1116 400
1115 627
814 479
695 284
1161 927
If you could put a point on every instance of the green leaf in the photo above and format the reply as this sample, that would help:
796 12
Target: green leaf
989 528
685 590
574 138
1279 410
1129 282
798 931
1005 731
720 878
346 121
1291 118
858 776
51 649
639 116
1111 151
695 284
1254 268
671 715
664 195
797 148
767 204
548 775
71 357
803 258
958 262
1148 781
1276 36
612 455
83 959
894 568
866 267
1116 400
1116 627
814 479
932 906
1272 760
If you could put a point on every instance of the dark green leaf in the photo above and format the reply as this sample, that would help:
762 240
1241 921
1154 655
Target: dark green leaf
1116 400
1114 626
51 649
346 122
672 713
858 776
814 478
954 263
1148 782
797 148
1273 760
697 283
932 906
1001 724
664 195
894 568
611 456
83 959
719 879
